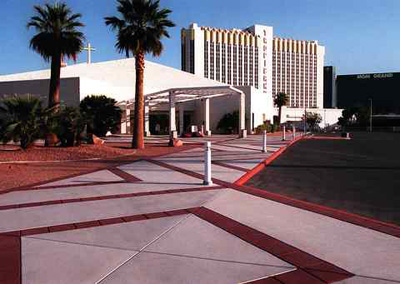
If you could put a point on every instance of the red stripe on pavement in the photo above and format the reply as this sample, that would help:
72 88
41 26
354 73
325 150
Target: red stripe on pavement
358 220
310 268
124 175
241 147
106 197
219 163
71 185
10 259
97 223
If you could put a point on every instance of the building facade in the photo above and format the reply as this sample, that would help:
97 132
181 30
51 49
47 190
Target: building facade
254 57
330 94
357 90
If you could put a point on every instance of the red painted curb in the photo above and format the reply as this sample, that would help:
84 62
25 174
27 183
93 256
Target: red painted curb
328 138
242 180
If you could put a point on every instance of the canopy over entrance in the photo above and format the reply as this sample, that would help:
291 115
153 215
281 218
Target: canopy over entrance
174 96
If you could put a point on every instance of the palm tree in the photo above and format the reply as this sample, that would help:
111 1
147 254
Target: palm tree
139 31
57 36
281 100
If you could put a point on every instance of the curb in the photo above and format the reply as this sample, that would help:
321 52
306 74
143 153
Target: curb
245 178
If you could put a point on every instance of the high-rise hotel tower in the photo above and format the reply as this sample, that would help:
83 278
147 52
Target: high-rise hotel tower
254 57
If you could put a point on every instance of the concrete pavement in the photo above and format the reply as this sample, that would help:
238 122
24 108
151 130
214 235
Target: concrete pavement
152 221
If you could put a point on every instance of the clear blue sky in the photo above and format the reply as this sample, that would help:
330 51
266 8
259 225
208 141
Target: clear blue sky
360 36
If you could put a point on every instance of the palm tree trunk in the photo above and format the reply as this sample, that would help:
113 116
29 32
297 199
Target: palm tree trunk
54 90
138 124
279 115
54 94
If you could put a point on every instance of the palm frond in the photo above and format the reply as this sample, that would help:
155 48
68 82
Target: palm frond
56 31
140 27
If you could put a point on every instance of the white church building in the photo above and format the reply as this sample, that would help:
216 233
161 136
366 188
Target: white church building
181 98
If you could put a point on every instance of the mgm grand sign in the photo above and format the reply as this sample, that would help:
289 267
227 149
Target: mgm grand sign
375 76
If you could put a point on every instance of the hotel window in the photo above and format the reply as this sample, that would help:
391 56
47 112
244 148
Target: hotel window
240 65
256 67
230 64
223 63
206 59
235 61
246 65
218 62
212 61
183 54
192 56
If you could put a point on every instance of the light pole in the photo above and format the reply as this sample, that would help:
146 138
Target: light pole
370 115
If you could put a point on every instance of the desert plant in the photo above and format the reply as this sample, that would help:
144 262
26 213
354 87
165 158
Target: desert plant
23 120
68 125
139 31
281 100
57 36
101 114
229 123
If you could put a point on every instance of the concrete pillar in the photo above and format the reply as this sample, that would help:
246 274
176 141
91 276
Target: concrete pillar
207 163
206 107
128 120
181 119
146 119
172 120
242 116
294 132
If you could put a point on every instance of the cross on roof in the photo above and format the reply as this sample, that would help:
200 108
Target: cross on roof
89 50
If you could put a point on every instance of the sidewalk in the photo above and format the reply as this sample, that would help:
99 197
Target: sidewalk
152 221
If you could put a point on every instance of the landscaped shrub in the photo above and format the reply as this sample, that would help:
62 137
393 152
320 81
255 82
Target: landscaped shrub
101 113
268 127
22 120
312 119
229 123
68 124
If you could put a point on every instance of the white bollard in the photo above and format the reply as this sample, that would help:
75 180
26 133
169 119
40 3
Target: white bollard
264 148
207 163
294 133
284 133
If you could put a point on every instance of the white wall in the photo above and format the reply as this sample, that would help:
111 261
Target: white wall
329 115
69 89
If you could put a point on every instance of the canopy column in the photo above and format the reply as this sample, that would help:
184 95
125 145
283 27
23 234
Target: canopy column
147 119
172 120
206 108
181 119
242 116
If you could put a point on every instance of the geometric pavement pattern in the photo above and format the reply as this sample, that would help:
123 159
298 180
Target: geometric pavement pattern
152 221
